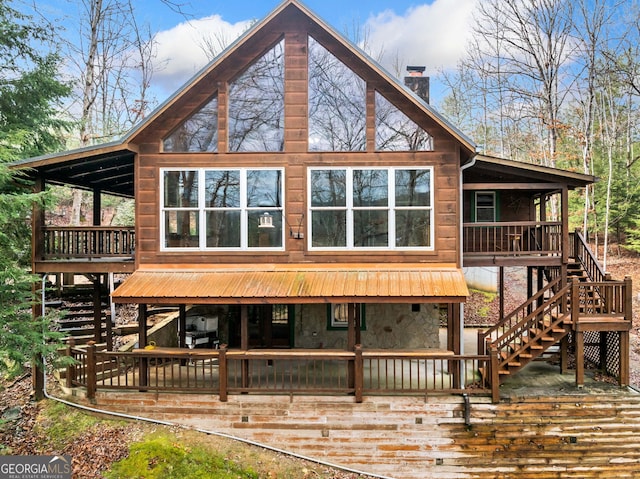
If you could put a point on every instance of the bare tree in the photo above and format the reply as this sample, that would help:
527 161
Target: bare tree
112 59
529 50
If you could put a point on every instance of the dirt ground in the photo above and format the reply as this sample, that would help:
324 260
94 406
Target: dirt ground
482 308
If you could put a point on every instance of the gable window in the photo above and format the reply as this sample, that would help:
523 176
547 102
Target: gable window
337 103
256 104
485 206
395 131
236 209
376 208
198 133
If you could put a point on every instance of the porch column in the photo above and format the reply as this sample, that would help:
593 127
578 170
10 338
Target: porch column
351 342
97 310
454 328
142 343
565 226
182 326
37 244
501 291
97 207
455 339
579 346
244 342
351 326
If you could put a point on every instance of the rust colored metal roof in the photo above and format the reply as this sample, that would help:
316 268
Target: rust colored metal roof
280 284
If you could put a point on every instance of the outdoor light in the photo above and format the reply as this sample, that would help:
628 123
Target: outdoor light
266 220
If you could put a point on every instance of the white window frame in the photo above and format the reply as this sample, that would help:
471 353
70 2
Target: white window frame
391 208
203 209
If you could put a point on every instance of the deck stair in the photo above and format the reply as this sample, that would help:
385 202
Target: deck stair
585 301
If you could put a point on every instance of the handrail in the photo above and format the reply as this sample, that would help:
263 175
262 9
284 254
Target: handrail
508 320
225 371
513 238
510 341
67 242
584 255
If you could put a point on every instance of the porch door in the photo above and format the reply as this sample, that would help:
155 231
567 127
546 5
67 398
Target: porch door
270 326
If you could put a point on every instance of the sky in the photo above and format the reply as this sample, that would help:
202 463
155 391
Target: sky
430 33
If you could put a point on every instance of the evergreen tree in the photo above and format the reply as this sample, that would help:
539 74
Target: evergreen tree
29 126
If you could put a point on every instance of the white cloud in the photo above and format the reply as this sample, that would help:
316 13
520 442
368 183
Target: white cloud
182 50
433 35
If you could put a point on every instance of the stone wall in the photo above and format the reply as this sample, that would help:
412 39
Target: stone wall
387 326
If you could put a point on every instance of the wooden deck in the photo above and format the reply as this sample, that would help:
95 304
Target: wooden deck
553 430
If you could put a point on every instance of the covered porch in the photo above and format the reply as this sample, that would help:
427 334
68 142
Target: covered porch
358 367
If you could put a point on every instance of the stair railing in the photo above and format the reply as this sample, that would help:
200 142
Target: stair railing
521 336
583 254
492 334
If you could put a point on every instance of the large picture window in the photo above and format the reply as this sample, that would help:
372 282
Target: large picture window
222 208
377 208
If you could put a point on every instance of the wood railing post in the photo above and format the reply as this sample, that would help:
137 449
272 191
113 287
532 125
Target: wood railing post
71 368
628 298
494 374
574 303
358 373
223 373
91 371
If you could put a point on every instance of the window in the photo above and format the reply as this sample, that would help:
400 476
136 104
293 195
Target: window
338 316
395 131
199 133
485 206
212 209
337 103
256 104
377 208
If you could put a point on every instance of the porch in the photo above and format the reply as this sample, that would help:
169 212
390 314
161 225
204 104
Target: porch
512 243
84 249
225 372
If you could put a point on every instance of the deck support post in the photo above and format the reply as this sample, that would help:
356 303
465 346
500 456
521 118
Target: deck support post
624 358
359 373
142 343
223 373
454 339
71 369
351 341
97 310
579 358
91 371
494 374
244 342
182 326
564 354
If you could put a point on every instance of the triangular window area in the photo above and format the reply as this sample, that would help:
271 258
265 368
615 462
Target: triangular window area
397 132
256 105
199 133
337 103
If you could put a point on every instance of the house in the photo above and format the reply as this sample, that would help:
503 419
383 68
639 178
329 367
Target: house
318 214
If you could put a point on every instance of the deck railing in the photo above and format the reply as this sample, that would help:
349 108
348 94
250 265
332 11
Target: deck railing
69 242
513 238
292 371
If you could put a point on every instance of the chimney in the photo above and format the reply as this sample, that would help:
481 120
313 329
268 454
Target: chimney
418 83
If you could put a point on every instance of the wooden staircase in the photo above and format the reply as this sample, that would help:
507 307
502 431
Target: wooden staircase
544 322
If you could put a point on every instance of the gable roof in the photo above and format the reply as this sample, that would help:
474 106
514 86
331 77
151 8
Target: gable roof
109 167
261 34
502 170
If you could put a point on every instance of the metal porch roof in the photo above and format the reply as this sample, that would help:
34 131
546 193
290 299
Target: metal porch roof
281 284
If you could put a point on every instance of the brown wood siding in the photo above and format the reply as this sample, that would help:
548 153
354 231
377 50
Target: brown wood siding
296 167
296 160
